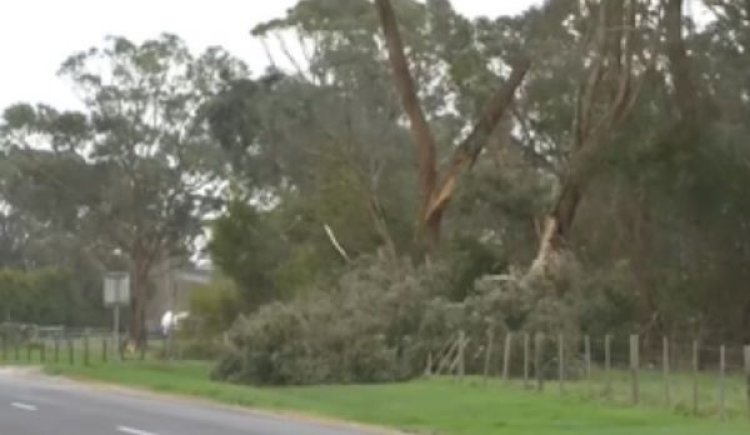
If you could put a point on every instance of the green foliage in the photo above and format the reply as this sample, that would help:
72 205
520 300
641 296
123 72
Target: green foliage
214 307
139 139
365 330
380 321
608 303
659 241
248 249
46 297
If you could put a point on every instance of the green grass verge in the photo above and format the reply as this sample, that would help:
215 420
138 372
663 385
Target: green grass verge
441 406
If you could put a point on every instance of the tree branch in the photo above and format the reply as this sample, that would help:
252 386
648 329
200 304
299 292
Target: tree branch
420 130
468 151
679 62
336 243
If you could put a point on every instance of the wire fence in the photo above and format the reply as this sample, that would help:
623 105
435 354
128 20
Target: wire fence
688 376
31 344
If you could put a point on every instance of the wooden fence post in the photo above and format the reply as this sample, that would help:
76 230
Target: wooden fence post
447 359
455 366
538 360
57 349
86 360
506 355
747 376
561 362
104 350
634 366
71 358
488 351
722 386
587 356
607 365
461 354
526 360
665 368
695 376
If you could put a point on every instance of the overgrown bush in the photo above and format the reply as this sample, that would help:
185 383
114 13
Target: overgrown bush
381 321
213 308
44 297
370 328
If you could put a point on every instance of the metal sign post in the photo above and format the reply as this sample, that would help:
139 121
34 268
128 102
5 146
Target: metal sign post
116 294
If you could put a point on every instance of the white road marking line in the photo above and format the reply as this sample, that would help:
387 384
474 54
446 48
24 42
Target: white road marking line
23 406
131 431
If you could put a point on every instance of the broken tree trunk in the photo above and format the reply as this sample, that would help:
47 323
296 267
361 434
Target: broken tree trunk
436 195
605 98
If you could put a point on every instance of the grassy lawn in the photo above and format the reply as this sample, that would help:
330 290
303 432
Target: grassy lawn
441 406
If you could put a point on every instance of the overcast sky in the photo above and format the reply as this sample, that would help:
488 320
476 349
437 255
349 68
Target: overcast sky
37 35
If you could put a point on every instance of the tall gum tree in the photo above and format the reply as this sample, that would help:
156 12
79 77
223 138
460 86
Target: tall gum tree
135 170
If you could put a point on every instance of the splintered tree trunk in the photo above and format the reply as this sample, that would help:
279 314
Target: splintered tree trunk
549 246
556 229
605 99
436 193
431 230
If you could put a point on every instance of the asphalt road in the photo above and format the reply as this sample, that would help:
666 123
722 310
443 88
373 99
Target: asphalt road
38 405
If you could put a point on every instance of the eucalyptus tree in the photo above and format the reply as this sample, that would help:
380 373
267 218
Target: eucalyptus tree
135 170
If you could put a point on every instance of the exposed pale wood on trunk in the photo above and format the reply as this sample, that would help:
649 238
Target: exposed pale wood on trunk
604 101
468 151
435 197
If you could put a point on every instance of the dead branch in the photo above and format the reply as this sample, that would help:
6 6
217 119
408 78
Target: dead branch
468 151
336 244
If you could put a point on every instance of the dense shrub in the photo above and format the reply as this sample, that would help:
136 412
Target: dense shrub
382 321
213 308
45 297
368 329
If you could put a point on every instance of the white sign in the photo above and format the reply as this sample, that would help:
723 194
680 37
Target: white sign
116 288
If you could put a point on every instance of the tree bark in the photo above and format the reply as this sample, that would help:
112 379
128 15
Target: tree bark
436 198
381 226
139 298
679 63
639 257
468 151
605 99
746 325
420 130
